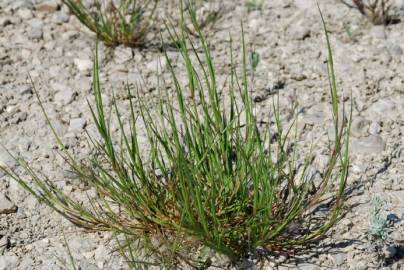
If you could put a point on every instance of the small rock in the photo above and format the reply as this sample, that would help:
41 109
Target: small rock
6 160
4 21
36 29
308 266
83 65
305 4
338 259
372 144
122 54
374 128
8 262
100 256
392 218
6 207
383 108
389 252
61 17
47 6
65 96
19 117
4 244
397 197
77 124
25 14
299 30
360 127
378 32
157 64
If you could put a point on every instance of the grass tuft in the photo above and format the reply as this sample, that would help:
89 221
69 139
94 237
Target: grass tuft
123 22
213 178
377 11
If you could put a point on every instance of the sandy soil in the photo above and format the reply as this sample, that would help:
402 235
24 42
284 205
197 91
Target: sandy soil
41 39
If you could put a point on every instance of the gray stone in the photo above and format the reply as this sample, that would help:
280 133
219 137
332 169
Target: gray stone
157 64
83 65
8 262
47 6
6 160
122 54
338 259
36 29
4 243
100 256
397 197
299 30
374 128
307 5
384 108
360 127
389 252
308 266
4 21
378 32
64 96
77 124
6 207
61 17
372 144
25 14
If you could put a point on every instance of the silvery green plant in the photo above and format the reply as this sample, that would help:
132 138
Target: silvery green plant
213 178
378 226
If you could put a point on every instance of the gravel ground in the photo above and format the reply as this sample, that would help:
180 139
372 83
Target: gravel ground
41 40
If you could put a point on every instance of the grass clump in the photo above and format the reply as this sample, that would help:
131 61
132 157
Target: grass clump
377 11
213 180
123 22
254 5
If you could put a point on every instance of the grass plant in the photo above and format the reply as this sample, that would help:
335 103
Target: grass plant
254 5
116 22
377 11
213 178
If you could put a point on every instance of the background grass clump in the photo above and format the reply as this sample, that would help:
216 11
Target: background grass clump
123 22
213 178
377 11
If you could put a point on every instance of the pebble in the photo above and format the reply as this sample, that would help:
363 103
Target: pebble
338 259
65 96
25 14
157 64
389 252
299 30
383 108
77 124
8 262
100 256
360 127
61 17
306 5
378 32
47 6
4 21
372 144
83 65
6 206
122 54
36 29
6 160
374 128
